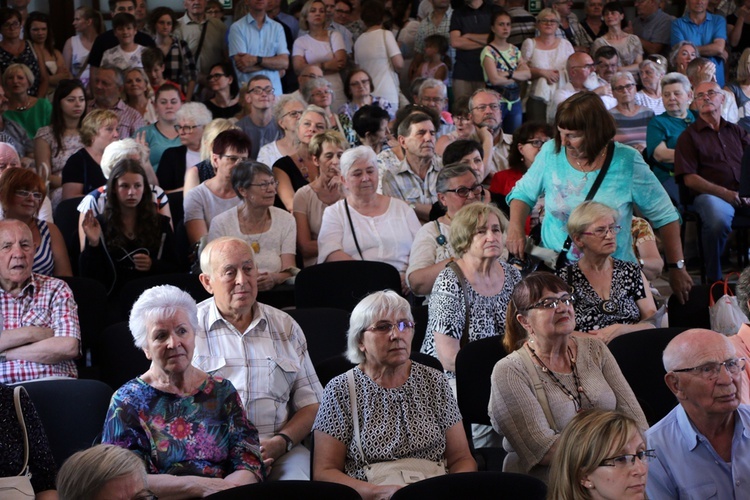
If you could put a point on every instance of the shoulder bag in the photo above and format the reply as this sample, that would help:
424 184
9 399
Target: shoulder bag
401 471
512 91
354 233
541 396
19 487
465 291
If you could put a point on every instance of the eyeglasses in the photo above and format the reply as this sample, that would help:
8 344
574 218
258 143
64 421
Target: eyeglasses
322 93
463 192
186 128
294 114
605 65
261 90
216 76
385 327
602 232
710 371
585 66
342 11
146 495
483 107
12 164
707 95
12 25
22 193
622 88
623 461
360 83
553 302
548 21
433 100
311 76
537 143
461 118
233 158
266 186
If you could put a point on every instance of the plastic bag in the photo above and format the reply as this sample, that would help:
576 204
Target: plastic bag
726 315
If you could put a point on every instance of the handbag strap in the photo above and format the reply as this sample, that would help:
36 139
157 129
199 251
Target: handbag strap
200 42
355 413
493 49
22 423
541 396
589 197
354 233
462 281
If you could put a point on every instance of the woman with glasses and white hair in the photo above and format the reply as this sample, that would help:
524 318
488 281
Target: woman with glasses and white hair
270 231
319 92
103 471
630 117
287 111
187 426
651 71
612 296
549 376
403 409
190 119
366 225
601 454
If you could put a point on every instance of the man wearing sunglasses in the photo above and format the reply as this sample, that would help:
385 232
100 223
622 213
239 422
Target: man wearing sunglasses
702 446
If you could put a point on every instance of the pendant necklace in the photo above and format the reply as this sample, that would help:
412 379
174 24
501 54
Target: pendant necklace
575 396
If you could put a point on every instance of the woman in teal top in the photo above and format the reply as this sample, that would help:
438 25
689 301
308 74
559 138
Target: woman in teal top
565 171
26 110
162 135
664 130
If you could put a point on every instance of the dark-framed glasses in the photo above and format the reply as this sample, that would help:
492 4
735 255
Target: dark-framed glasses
710 371
483 107
553 302
360 83
385 327
215 76
22 193
265 186
261 90
628 460
622 88
294 114
602 232
707 95
537 143
185 128
463 191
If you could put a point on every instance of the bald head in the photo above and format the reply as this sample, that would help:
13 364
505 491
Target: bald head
579 66
16 254
693 348
8 157
309 72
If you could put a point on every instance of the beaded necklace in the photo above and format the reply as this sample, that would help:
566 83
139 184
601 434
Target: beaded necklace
576 396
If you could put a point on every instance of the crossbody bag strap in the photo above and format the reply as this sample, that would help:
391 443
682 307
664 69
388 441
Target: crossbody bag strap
541 396
493 49
22 423
354 233
200 42
589 197
462 281
355 412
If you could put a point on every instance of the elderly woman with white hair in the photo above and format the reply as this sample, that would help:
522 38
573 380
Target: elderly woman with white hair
287 110
651 70
387 407
631 118
318 92
103 471
190 120
187 426
366 225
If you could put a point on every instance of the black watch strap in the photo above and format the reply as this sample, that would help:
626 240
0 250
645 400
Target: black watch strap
289 442
680 264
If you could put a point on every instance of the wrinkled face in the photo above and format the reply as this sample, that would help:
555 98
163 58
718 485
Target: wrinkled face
592 243
432 98
167 105
190 134
16 253
624 91
105 87
709 98
605 68
309 124
261 192
135 84
421 139
25 203
195 7
309 73
485 111
130 188
74 104
650 77
563 7
290 117
574 142
552 322
686 54
17 82
488 239
38 31
360 85
620 482
676 100
164 25
530 148
384 346
226 162
233 280
451 200
322 97
581 66
106 135
8 158
362 178
330 160
170 343
122 488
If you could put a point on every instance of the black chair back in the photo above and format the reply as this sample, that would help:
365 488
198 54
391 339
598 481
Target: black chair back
184 281
694 313
91 298
72 412
66 219
343 284
336 365
639 355
325 329
421 315
288 490
475 485
119 359
474 365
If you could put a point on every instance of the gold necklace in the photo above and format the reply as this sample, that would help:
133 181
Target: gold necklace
592 164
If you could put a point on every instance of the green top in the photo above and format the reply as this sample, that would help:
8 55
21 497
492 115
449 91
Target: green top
37 116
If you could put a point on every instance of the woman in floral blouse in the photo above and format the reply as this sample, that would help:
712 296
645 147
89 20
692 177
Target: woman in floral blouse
188 427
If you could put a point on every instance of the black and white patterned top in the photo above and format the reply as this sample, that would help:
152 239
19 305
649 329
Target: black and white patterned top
404 422
626 289
447 310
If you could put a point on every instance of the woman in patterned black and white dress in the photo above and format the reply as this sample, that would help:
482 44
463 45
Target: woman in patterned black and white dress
405 410
477 238
612 296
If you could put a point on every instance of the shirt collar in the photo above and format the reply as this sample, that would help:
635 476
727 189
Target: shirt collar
251 19
701 124
404 166
27 289
693 437
216 319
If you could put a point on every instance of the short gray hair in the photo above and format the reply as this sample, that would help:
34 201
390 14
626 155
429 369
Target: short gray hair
357 154
281 102
312 85
674 77
372 308
482 90
86 472
432 83
195 112
659 67
312 108
619 75
743 290
158 303
121 150
450 172
119 77
245 172
586 214
205 257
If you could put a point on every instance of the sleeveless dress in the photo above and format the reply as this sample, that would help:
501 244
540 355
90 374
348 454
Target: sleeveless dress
44 262
80 54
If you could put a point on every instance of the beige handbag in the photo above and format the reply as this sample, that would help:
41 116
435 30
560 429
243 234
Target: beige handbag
402 471
19 487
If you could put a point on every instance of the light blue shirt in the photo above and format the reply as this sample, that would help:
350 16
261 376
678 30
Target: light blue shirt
713 27
246 38
629 182
688 468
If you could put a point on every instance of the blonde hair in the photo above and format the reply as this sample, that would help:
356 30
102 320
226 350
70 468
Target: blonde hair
466 221
23 69
586 214
210 132
94 121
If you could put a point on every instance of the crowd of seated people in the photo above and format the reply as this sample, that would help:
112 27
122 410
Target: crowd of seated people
246 150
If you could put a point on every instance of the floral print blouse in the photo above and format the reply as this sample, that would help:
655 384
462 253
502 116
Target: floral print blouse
204 434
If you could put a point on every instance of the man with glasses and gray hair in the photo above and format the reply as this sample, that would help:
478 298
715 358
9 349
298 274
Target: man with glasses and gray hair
433 94
580 67
484 109
703 444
